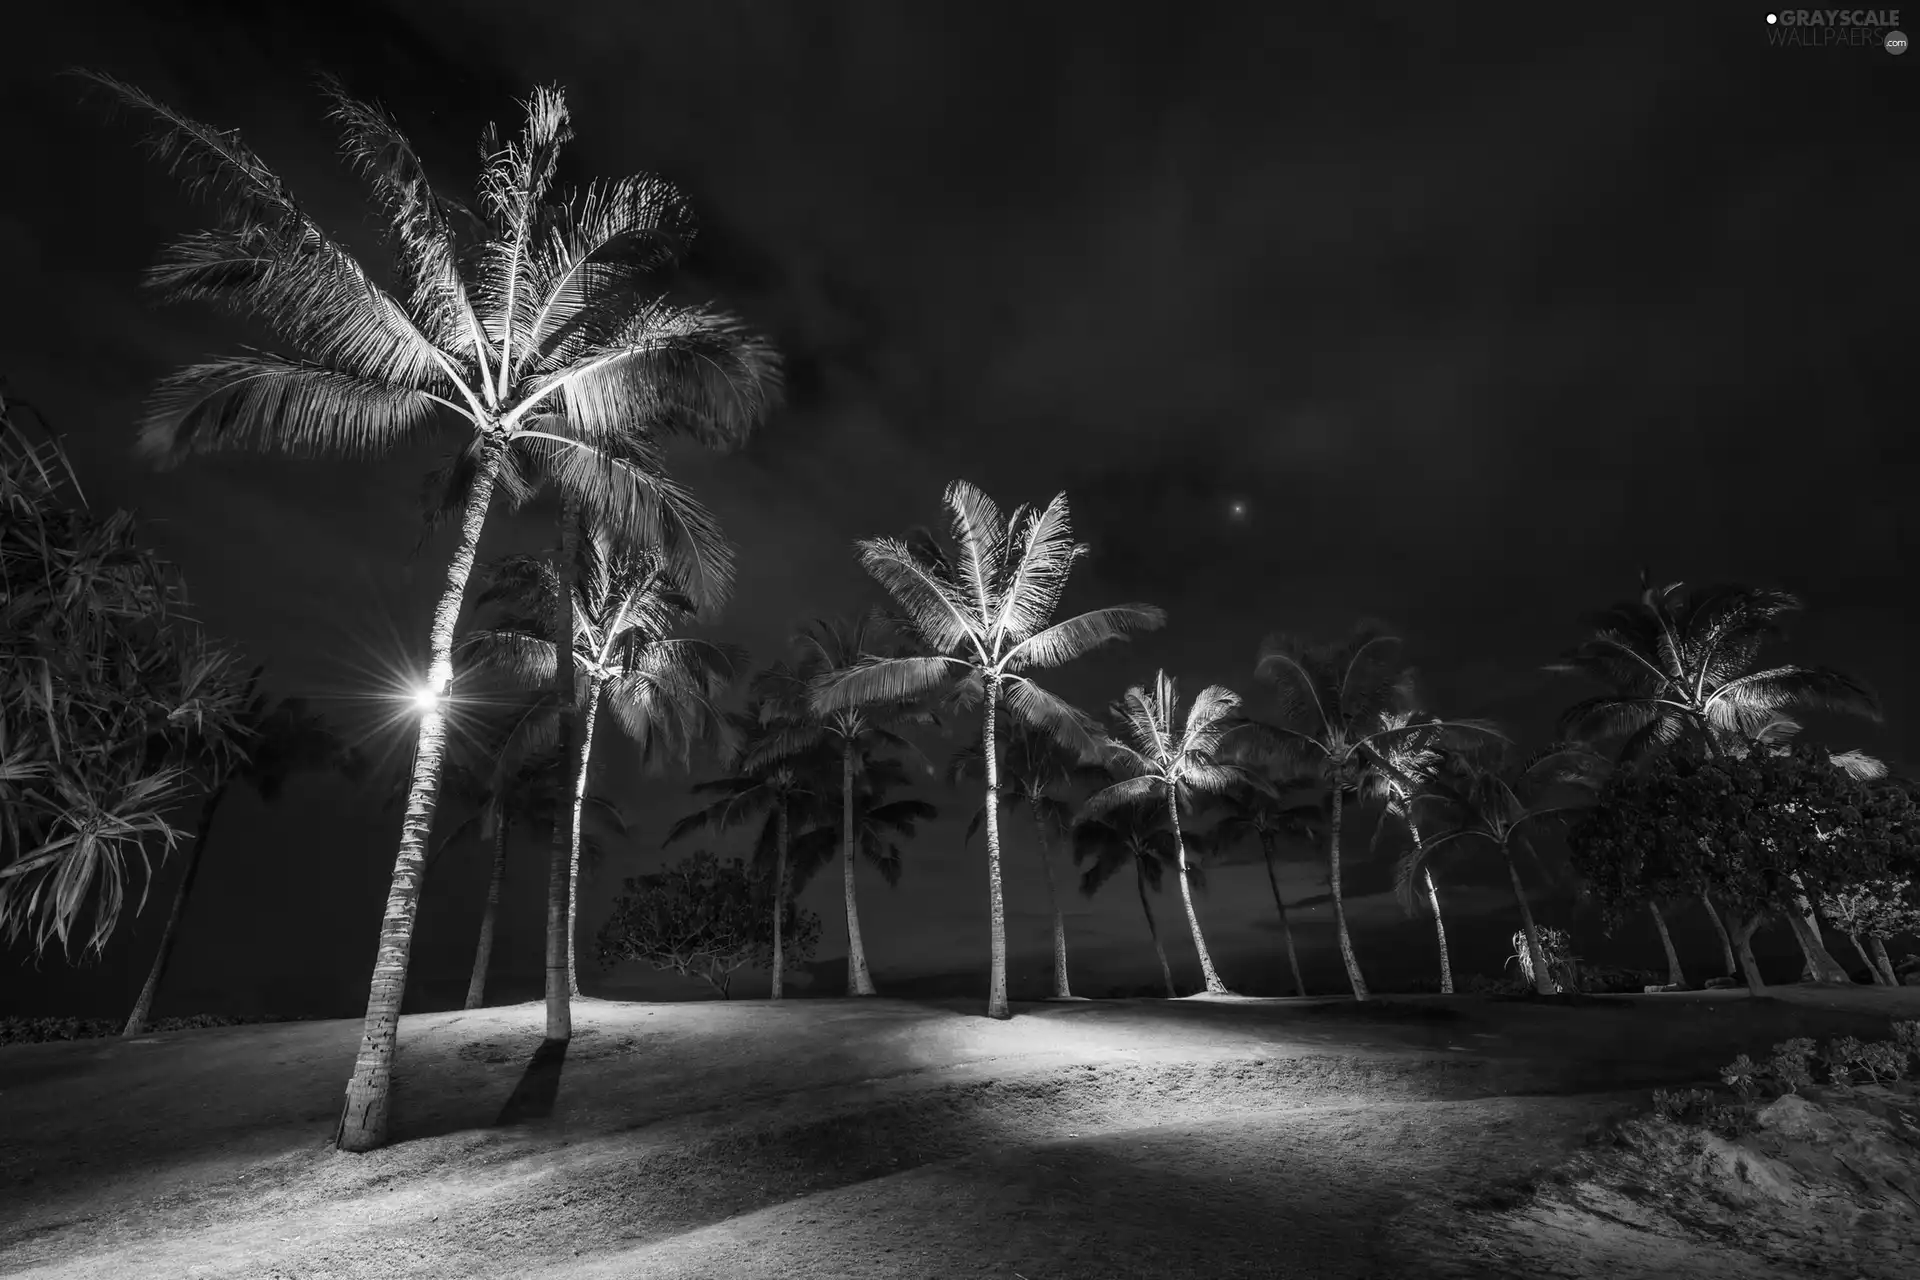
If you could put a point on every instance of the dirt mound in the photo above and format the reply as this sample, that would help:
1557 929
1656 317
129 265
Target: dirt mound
1828 1182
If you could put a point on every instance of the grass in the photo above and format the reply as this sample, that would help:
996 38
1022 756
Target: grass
838 1138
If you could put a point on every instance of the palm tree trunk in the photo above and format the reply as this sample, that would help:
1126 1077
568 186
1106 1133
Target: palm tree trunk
1433 900
363 1119
859 981
779 897
1821 966
1286 926
1543 982
1061 990
1153 930
1879 979
1743 930
560 858
483 952
1354 977
573 822
1215 987
1674 976
996 902
1720 927
1886 961
143 1005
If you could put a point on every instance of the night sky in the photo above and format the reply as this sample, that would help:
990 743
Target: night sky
1315 314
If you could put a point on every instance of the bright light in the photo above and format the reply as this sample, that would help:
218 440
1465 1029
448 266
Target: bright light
1237 509
426 700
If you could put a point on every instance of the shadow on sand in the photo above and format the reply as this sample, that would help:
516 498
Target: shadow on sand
533 1098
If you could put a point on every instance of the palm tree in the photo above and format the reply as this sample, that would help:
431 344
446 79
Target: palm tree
282 738
1685 664
981 610
861 734
529 324
1265 815
1133 835
1036 767
658 689
788 796
880 825
1396 770
1172 758
1338 706
1487 795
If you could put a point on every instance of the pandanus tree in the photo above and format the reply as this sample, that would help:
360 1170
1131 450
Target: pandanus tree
1267 815
1339 708
1678 664
530 325
661 690
1496 798
282 737
1038 772
1163 752
981 610
1138 837
787 798
863 735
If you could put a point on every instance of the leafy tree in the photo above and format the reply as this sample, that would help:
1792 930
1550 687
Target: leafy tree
980 611
113 705
1758 830
1139 837
702 918
1036 768
1875 911
660 690
787 797
283 737
1685 665
529 324
1266 814
864 736
1338 710
1491 796
1172 757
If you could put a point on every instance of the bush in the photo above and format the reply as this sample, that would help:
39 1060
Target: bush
47 1030
1607 979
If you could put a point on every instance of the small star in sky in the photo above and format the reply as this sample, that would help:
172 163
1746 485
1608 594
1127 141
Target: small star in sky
1237 509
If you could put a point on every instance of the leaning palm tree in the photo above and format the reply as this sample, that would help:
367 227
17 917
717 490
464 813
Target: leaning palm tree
787 797
1136 836
1490 796
1686 664
1338 711
1172 757
530 325
283 737
1266 815
1036 768
981 612
659 689
863 735
1395 772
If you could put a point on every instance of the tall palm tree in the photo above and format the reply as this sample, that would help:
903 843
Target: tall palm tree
788 797
660 690
1160 752
1036 768
530 325
981 612
1338 706
880 825
1394 773
1491 796
283 737
861 734
1686 664
1266 815
1136 835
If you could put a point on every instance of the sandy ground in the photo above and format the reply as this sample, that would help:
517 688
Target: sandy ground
880 1138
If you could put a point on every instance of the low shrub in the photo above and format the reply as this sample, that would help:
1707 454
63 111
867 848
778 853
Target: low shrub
47 1030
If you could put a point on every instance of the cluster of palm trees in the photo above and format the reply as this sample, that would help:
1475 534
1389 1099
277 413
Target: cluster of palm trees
540 329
